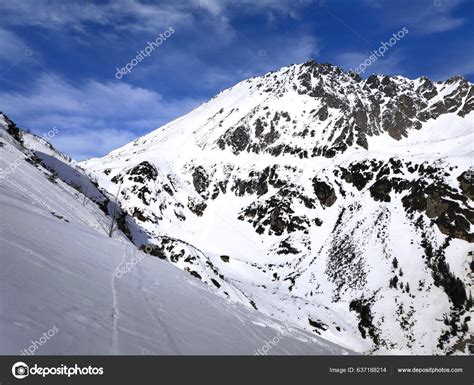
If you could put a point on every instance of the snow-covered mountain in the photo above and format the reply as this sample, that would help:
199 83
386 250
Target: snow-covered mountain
67 288
339 205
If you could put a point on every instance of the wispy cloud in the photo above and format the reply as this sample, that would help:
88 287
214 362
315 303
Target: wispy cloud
289 8
16 56
76 14
91 110
11 46
422 18
78 144
134 15
438 17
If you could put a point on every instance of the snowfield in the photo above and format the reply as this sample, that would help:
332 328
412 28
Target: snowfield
62 276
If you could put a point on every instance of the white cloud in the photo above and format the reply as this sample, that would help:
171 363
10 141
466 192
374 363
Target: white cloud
437 23
286 7
78 144
428 17
135 15
13 49
94 117
126 14
434 20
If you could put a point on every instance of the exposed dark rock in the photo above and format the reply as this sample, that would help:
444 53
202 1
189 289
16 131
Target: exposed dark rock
258 127
143 172
318 325
137 213
238 139
318 222
197 207
276 214
358 174
435 206
12 129
380 190
363 308
193 273
285 247
442 275
322 113
154 250
253 304
466 183
324 192
200 179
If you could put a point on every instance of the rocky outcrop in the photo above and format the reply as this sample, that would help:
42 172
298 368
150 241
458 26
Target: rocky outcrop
324 192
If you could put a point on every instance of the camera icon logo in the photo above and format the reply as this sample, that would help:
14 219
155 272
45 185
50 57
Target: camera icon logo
20 370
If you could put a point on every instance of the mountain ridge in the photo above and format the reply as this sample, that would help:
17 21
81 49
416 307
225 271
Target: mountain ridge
335 203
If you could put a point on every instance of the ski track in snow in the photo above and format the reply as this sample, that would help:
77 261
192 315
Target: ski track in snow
153 313
115 311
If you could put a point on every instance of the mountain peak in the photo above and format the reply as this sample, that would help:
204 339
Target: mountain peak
297 192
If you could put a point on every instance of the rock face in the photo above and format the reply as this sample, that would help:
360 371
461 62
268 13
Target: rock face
342 205
11 127
324 192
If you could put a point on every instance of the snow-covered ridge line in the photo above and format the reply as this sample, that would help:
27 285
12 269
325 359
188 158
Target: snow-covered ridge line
307 83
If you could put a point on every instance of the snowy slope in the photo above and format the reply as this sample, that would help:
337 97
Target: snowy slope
340 205
61 275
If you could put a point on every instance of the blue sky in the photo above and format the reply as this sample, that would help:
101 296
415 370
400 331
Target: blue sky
58 59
